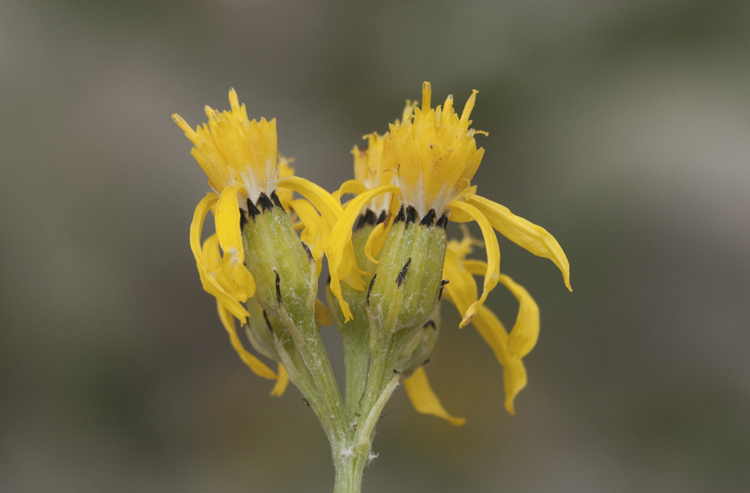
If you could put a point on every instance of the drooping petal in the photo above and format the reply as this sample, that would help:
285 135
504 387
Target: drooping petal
524 233
328 207
349 186
525 332
494 334
256 365
424 399
379 234
281 382
493 256
461 289
210 283
228 224
339 245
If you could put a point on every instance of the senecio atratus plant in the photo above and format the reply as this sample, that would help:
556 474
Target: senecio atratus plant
390 264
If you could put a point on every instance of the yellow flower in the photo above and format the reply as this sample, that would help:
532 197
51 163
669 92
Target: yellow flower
435 157
243 167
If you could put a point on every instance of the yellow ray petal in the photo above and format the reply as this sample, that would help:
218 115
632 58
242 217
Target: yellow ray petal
349 186
281 383
210 284
524 233
525 332
461 289
379 235
494 334
228 224
514 380
322 200
493 255
424 399
322 316
339 245
256 365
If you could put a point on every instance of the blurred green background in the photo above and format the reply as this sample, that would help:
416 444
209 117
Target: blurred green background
622 127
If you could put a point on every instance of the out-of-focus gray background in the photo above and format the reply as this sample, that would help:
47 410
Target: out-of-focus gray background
622 127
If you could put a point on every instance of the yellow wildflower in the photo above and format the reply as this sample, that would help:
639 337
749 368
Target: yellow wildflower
240 158
435 157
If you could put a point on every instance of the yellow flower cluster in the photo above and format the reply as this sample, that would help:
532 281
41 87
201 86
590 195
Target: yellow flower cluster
424 163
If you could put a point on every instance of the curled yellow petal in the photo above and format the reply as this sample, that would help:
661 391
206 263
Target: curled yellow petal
281 382
328 207
525 332
349 186
210 283
424 399
461 289
524 233
493 255
494 334
339 245
256 365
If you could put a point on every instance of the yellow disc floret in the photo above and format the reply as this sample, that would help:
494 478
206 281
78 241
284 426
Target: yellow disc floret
435 154
235 151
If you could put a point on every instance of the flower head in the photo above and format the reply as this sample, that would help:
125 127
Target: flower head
435 154
234 151
435 157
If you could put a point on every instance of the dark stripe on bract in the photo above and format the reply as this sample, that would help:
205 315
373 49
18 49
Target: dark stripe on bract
275 199
268 322
252 211
369 289
278 287
367 217
402 274
428 219
411 216
442 285
243 219
381 218
442 222
401 216
309 253
428 324
264 202
426 361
